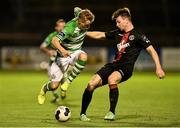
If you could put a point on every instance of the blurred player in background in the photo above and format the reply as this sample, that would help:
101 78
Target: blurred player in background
47 48
129 44
68 44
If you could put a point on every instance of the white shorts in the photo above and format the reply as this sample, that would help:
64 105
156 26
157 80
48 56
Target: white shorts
58 70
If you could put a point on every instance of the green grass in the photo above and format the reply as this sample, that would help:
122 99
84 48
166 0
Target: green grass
144 101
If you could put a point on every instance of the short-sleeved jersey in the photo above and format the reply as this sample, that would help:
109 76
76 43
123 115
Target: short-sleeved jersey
71 36
47 41
48 45
128 46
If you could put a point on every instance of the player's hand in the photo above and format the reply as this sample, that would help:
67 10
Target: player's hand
160 73
52 53
65 53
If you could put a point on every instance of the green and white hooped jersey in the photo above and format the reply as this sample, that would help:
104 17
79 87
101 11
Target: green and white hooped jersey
71 36
47 43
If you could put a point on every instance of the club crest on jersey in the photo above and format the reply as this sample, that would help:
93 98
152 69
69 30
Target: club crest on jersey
121 46
77 30
131 37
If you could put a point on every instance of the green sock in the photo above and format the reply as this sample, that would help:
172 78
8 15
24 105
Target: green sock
48 87
77 68
55 94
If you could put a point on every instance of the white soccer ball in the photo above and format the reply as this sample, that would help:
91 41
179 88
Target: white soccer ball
62 113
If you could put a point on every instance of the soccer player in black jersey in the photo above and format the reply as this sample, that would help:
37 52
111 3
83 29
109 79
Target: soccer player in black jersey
129 44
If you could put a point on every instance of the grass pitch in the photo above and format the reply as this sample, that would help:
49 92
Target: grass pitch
144 101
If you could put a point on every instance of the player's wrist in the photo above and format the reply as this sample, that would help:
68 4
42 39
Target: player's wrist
48 53
158 68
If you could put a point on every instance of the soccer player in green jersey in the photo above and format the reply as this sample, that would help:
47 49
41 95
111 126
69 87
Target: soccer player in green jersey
50 51
68 44
46 45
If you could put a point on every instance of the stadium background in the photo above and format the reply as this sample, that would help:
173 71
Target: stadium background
25 23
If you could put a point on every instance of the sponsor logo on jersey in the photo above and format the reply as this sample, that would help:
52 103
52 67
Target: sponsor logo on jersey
120 34
121 46
61 34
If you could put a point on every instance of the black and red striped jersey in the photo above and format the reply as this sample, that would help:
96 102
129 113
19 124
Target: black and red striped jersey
128 45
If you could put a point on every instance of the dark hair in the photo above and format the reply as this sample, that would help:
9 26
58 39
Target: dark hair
60 20
124 12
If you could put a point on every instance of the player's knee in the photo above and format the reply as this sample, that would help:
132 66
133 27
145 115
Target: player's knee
112 80
54 86
83 56
91 86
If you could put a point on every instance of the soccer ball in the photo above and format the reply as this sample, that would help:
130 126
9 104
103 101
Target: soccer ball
62 113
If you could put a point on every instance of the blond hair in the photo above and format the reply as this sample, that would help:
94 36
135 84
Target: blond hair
86 14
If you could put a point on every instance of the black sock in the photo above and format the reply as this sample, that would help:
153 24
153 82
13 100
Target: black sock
113 96
87 96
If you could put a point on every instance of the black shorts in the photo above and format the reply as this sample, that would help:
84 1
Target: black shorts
109 68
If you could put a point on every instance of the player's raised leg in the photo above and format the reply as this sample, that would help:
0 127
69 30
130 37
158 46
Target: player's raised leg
95 82
56 76
113 80
49 86
55 92
78 66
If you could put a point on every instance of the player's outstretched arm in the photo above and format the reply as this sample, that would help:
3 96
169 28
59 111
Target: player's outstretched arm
96 34
46 50
57 44
159 71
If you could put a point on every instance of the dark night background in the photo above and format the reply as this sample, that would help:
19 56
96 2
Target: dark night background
27 22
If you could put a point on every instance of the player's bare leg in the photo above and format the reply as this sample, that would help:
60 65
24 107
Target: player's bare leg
49 86
77 68
113 80
95 82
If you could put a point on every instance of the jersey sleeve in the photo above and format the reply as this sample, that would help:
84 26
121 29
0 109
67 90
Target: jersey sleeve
47 40
111 34
44 44
64 34
67 30
144 41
